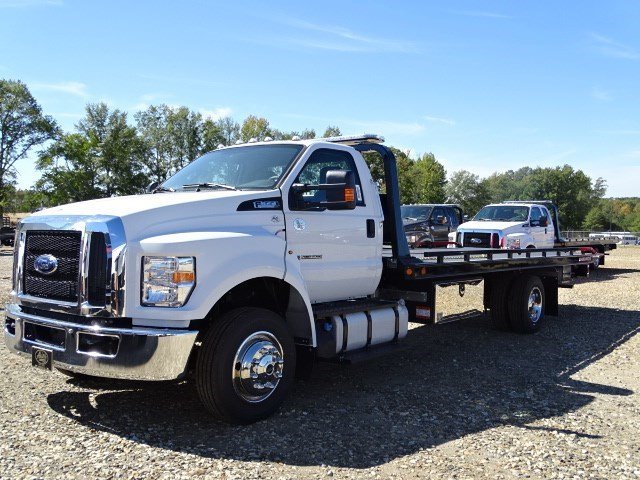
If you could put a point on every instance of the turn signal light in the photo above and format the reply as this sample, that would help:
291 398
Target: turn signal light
349 195
183 277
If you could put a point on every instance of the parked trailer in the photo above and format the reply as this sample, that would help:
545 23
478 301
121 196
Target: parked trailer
286 255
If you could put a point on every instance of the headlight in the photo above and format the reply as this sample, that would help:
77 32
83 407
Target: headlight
513 243
167 281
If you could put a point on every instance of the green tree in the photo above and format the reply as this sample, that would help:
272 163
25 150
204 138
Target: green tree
185 133
331 131
466 189
254 127
429 178
404 166
230 130
212 136
23 126
105 158
152 126
71 170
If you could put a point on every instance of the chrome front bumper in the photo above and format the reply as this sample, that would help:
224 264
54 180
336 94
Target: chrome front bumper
130 353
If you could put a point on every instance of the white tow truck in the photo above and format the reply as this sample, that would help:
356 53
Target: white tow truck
508 225
245 266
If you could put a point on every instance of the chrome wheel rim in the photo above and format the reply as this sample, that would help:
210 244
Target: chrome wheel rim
535 304
258 367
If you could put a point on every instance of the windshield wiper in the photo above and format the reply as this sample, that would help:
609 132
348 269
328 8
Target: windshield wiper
162 189
198 186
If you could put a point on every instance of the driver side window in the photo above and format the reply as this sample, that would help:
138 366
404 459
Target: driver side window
535 216
315 173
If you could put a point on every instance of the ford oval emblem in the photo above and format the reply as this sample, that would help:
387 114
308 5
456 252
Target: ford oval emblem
45 264
476 240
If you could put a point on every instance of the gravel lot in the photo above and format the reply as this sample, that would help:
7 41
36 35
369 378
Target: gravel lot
462 401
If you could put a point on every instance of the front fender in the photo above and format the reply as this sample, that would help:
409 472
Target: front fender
524 240
223 260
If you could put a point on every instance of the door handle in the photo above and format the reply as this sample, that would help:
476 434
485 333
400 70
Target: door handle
371 228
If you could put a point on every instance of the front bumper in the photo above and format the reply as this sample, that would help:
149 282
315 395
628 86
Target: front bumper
129 353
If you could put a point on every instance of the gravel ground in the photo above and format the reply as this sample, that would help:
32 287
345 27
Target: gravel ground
462 401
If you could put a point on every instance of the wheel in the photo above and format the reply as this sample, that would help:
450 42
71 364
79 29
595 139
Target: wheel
246 365
526 304
499 312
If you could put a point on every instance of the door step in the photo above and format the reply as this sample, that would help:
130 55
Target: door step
370 353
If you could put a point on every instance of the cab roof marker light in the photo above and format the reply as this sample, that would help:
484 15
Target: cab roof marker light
355 139
252 140
295 138
267 139
219 146
238 142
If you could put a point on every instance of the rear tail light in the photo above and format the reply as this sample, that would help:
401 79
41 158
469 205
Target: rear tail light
502 242
495 240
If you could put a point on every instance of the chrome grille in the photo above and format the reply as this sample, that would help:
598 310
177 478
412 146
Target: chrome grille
63 283
476 239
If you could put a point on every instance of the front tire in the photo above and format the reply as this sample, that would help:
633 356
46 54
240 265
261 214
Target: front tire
246 365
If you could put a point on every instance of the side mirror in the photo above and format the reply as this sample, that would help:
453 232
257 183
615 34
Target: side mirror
151 187
441 220
465 218
340 192
543 221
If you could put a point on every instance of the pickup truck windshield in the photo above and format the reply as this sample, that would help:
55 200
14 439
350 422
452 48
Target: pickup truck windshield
251 167
411 212
503 213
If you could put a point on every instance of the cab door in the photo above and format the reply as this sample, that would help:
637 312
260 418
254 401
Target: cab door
440 226
339 251
540 233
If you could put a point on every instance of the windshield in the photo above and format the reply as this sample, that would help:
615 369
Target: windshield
256 167
504 213
417 212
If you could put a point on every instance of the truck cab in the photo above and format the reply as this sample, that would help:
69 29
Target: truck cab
510 225
429 225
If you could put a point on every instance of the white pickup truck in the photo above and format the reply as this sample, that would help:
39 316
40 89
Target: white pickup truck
244 267
511 225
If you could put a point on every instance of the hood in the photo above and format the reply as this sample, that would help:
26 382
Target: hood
410 224
476 225
156 214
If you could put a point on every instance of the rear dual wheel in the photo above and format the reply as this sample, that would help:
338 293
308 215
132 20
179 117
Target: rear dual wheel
518 305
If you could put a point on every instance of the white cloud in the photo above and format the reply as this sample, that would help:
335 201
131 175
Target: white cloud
340 39
216 113
72 88
611 48
444 121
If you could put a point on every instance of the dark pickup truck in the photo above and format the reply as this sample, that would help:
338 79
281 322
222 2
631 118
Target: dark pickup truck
7 232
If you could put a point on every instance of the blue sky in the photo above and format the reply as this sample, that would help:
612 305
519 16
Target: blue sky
485 86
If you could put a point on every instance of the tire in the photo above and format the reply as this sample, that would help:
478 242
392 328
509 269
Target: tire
224 365
526 304
499 312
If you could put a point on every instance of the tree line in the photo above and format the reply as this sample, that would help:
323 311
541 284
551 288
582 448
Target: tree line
111 153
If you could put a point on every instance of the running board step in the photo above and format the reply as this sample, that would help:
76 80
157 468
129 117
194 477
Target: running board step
342 307
358 356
